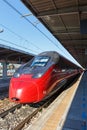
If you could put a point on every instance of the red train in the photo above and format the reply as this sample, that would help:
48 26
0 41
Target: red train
40 77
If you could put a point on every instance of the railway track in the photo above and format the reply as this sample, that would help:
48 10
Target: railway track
10 118
28 119
16 117
3 114
5 104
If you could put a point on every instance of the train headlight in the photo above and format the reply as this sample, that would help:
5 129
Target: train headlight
16 75
19 92
37 75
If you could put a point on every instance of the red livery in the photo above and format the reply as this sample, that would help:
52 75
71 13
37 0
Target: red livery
40 77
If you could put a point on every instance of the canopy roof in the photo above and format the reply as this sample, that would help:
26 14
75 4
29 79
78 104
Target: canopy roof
9 54
67 21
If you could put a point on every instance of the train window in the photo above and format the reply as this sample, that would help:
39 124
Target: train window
40 61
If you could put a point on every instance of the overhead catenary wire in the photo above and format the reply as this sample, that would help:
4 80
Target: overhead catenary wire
21 37
32 24
16 45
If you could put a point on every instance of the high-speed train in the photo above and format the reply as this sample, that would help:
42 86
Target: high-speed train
40 77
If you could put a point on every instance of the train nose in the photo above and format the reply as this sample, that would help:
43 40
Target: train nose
23 91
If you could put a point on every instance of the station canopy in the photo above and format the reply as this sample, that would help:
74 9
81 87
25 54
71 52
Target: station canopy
67 21
12 55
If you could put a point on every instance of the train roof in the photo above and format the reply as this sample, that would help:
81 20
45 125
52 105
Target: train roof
53 54
56 56
49 53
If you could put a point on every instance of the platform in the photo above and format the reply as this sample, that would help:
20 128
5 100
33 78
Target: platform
68 111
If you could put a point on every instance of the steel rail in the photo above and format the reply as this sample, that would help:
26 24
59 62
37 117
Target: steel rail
3 114
26 120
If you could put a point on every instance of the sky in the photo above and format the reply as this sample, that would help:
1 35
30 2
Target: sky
25 34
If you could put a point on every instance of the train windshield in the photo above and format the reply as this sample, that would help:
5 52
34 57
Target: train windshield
40 61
